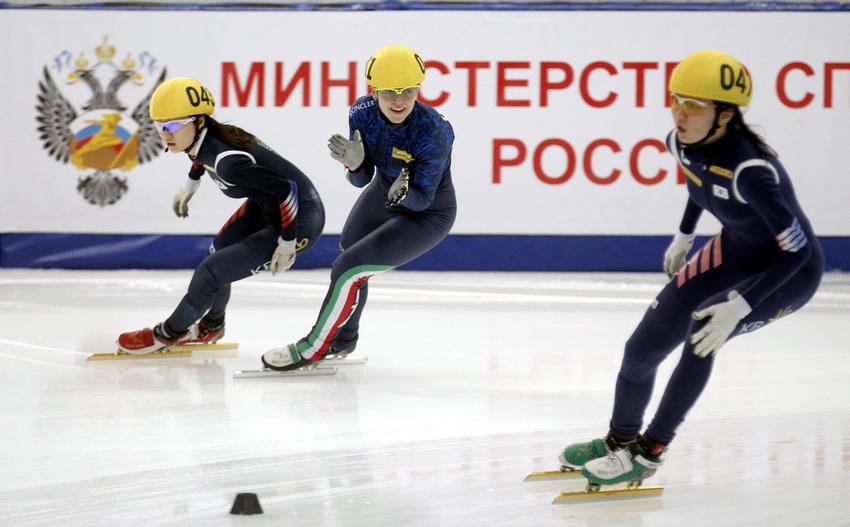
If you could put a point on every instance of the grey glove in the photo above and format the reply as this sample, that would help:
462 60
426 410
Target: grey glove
283 257
674 256
723 318
180 203
349 153
398 190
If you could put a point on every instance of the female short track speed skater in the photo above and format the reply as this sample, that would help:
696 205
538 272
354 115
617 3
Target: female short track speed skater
764 264
282 215
401 149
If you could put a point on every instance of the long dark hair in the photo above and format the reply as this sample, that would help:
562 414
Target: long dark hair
737 123
232 135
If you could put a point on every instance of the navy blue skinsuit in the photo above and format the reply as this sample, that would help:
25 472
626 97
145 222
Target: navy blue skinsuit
282 202
766 251
376 238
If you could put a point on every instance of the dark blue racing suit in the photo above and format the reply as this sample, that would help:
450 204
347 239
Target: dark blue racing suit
766 251
282 202
377 238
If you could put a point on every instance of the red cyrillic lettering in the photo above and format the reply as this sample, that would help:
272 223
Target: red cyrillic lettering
546 85
502 83
780 85
829 67
588 164
328 83
302 75
634 165
585 76
257 74
538 165
444 96
499 161
640 79
472 77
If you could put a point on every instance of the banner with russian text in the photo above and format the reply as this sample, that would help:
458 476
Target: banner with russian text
560 117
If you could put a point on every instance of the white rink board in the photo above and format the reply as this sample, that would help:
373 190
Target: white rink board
39 193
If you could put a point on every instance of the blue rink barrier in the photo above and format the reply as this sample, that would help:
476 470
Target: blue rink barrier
461 252
435 5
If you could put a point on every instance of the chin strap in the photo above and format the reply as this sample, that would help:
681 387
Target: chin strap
197 135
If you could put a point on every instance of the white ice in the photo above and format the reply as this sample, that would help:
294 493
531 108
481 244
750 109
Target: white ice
473 381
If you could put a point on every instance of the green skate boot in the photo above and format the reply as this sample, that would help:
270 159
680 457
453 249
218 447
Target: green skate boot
631 465
577 454
574 457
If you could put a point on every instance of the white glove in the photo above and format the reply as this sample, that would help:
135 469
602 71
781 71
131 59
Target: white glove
674 256
283 257
180 204
398 190
724 318
349 153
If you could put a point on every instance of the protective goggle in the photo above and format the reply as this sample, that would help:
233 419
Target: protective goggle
407 93
173 127
688 105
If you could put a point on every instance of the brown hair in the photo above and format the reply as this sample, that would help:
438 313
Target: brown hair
232 135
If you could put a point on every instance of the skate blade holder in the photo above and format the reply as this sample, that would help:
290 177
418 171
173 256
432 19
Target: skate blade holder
208 346
596 493
267 373
344 360
553 475
172 353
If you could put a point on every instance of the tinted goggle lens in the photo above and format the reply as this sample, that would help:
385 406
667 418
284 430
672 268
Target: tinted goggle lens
407 93
687 104
173 127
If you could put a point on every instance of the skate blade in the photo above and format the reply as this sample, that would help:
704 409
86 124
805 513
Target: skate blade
344 360
208 346
120 355
172 352
268 373
607 494
554 475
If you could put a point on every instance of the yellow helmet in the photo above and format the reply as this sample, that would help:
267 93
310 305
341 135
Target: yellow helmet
714 76
180 97
395 67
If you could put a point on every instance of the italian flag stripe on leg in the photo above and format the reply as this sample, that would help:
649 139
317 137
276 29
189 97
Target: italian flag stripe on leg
338 307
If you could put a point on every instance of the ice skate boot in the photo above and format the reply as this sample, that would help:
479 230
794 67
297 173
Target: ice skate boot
576 455
206 331
146 341
286 362
287 358
630 464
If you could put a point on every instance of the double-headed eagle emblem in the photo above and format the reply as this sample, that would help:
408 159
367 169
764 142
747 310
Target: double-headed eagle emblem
99 136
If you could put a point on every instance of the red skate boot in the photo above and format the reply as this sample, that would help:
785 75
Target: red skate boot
204 332
147 340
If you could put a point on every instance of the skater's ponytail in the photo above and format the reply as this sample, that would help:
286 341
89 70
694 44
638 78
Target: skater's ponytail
737 123
229 134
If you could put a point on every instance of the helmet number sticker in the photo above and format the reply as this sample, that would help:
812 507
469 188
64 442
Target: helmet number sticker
195 98
728 79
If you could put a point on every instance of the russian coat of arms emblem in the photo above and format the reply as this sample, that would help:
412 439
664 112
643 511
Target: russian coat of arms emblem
97 134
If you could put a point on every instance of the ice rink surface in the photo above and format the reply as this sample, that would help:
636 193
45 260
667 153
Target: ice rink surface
473 381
